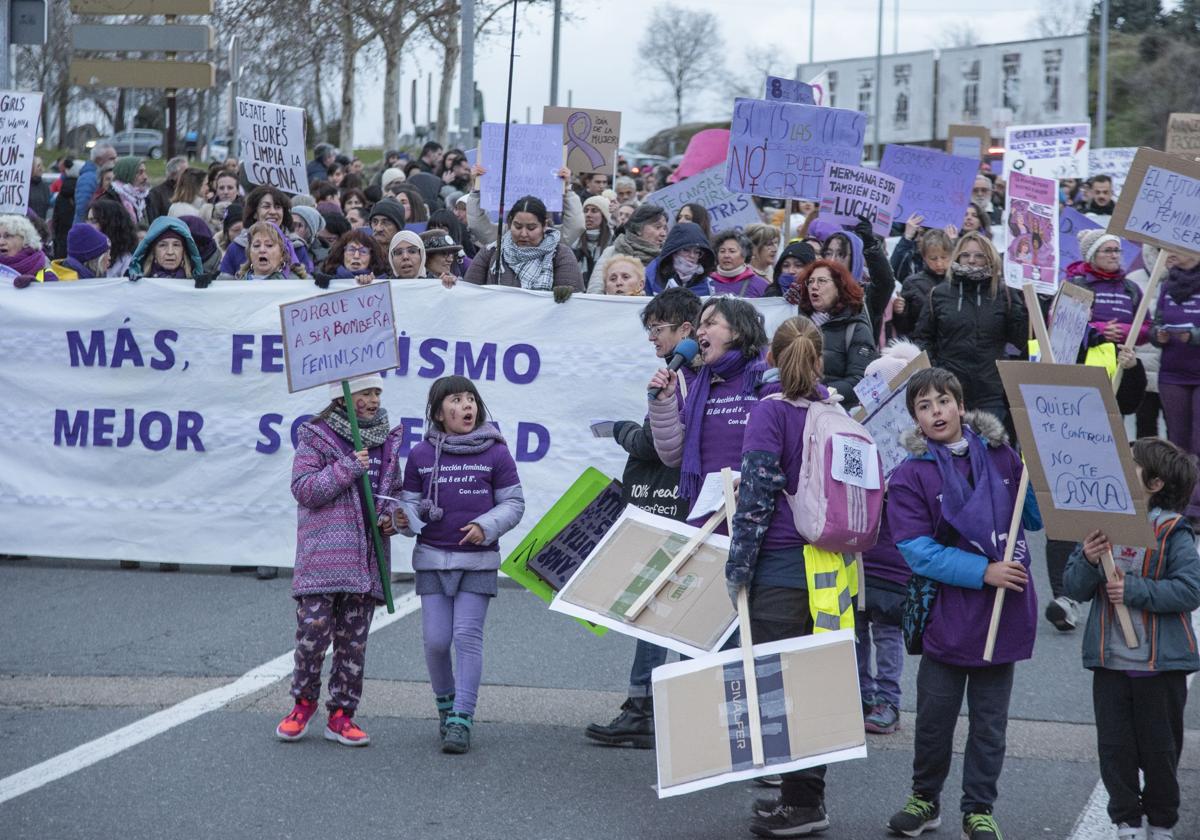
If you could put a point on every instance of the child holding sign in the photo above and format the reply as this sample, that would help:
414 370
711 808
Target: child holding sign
950 507
463 482
336 581
1139 693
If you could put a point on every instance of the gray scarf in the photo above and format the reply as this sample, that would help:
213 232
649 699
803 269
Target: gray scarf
533 264
373 432
471 443
632 245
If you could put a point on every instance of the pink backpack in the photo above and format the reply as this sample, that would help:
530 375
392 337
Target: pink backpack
836 507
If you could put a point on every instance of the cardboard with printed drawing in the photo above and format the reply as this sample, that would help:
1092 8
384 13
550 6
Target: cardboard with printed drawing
1075 447
590 137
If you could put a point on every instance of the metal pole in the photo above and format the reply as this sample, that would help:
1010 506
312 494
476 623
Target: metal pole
896 27
1102 81
812 27
235 75
466 77
6 81
512 59
172 129
875 92
554 52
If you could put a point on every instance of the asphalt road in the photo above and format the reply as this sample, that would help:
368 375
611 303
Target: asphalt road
88 649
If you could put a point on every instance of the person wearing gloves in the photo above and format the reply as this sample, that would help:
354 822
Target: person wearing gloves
88 255
270 256
307 224
167 251
791 262
686 260
485 231
202 235
734 274
532 255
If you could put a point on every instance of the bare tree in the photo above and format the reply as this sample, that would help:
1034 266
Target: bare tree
1061 17
761 61
444 32
397 21
961 33
683 50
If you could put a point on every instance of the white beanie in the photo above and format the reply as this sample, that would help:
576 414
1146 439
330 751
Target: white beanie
388 176
362 383
894 358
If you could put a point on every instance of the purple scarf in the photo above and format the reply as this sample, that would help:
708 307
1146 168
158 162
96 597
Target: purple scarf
1181 285
26 261
471 443
726 367
981 514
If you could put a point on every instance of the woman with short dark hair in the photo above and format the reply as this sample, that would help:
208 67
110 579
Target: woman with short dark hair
644 235
531 255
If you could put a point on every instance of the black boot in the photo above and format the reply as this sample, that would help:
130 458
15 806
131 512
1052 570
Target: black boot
634 727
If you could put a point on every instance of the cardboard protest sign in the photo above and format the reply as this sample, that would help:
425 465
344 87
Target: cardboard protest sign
19 113
1031 228
1183 135
888 419
1076 451
271 145
968 140
1069 322
779 149
848 192
535 155
585 503
558 559
1070 223
725 209
590 137
1161 204
338 335
1048 151
809 708
780 89
1114 163
691 614
936 185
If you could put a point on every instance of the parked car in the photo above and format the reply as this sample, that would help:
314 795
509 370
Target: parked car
144 142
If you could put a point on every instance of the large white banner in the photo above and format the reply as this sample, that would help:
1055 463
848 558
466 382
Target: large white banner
151 421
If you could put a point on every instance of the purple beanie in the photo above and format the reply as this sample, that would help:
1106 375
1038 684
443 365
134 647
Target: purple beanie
85 243
202 235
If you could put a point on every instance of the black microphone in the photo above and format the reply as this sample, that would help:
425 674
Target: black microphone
685 351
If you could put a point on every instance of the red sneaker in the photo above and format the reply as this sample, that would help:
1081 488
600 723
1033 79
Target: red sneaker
341 728
293 727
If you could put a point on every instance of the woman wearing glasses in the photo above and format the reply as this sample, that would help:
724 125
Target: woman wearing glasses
970 320
356 254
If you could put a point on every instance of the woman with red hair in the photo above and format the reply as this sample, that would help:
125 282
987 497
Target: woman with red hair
827 294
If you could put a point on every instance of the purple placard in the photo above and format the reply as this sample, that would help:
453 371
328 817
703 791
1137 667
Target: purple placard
780 89
848 192
1070 223
779 149
1031 230
936 185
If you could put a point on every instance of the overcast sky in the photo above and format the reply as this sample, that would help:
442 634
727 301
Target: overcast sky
600 58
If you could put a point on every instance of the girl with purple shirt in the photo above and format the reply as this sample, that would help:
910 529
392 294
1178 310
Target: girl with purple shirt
703 432
767 553
1177 332
949 507
463 482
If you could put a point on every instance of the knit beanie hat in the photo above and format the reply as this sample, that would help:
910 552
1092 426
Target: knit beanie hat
336 223
201 235
390 209
125 169
362 383
233 215
1091 240
85 243
599 202
388 176
312 218
894 358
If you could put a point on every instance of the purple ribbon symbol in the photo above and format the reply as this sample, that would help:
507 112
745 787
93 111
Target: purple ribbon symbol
580 140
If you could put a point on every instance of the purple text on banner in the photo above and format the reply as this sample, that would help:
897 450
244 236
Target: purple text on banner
848 192
1071 222
936 185
779 149
789 90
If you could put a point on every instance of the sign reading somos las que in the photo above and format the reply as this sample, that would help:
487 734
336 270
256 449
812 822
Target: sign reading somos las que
339 335
271 144
1160 203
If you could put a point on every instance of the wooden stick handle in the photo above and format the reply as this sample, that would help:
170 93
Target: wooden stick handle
1123 616
1010 546
1038 323
660 580
1160 267
862 581
749 675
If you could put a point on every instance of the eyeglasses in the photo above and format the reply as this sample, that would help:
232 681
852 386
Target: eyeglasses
406 252
657 330
358 249
818 281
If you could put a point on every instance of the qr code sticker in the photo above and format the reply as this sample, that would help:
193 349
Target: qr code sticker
855 462
852 463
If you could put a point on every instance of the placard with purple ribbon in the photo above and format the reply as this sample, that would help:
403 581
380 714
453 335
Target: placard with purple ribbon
848 192
779 149
936 185
590 136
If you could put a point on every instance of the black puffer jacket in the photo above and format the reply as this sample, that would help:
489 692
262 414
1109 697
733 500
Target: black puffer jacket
965 329
915 292
849 347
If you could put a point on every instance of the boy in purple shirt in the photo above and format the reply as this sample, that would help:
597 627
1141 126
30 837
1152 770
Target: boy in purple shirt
950 506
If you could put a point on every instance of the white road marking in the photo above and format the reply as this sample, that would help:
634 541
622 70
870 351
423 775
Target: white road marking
85 755
1093 822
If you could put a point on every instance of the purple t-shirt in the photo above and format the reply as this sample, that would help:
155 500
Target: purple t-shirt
778 427
1180 361
958 623
754 285
466 489
1113 301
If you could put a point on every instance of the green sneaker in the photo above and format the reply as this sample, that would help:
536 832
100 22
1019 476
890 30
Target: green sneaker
916 817
980 827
